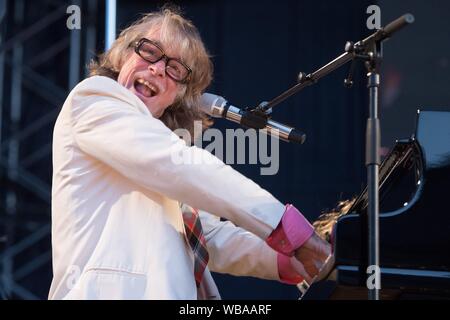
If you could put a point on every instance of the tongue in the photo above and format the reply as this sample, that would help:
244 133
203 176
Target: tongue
143 89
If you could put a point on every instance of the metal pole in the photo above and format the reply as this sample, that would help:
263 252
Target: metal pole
75 45
373 212
110 27
90 34
14 144
2 64
3 238
373 135
373 162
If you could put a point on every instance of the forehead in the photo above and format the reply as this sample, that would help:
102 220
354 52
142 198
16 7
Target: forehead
170 41
170 47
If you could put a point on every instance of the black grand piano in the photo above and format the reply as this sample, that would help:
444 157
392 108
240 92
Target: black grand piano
414 223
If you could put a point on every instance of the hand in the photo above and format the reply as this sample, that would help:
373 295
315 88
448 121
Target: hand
300 269
314 254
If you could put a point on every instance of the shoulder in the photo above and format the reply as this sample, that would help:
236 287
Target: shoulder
100 88
98 83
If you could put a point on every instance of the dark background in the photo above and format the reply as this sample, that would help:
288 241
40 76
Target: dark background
258 48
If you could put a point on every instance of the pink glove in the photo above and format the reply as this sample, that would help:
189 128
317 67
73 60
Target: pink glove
292 232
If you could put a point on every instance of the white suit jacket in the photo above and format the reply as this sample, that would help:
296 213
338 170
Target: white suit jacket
117 228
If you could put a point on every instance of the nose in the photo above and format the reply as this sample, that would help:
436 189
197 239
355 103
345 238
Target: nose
158 68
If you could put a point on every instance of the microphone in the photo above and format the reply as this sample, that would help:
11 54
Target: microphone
217 107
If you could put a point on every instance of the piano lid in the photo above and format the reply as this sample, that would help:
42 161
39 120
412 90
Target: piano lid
433 134
415 177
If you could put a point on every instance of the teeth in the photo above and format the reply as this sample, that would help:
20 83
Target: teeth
148 84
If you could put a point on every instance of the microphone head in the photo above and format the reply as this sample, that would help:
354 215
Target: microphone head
212 104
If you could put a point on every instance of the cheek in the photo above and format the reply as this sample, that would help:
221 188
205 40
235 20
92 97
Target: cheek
124 74
130 66
173 93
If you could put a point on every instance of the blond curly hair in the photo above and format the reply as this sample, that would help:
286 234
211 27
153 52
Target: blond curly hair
180 35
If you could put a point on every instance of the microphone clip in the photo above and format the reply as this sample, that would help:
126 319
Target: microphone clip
256 117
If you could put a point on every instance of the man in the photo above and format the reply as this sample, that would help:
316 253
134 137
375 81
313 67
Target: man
125 216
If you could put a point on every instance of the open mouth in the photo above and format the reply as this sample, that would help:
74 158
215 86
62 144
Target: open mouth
145 88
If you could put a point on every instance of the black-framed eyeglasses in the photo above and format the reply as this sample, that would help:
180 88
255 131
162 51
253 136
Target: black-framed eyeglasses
151 52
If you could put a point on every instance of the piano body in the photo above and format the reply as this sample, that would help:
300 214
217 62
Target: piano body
414 223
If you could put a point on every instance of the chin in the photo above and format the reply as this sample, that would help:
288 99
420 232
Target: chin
155 114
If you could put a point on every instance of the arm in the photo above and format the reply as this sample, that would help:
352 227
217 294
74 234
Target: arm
108 125
112 125
235 251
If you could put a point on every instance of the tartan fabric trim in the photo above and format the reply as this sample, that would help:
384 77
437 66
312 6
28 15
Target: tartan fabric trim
196 239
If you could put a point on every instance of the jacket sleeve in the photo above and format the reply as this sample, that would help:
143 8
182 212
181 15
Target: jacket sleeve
236 251
108 124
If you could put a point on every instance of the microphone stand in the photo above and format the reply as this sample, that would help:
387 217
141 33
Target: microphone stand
370 51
